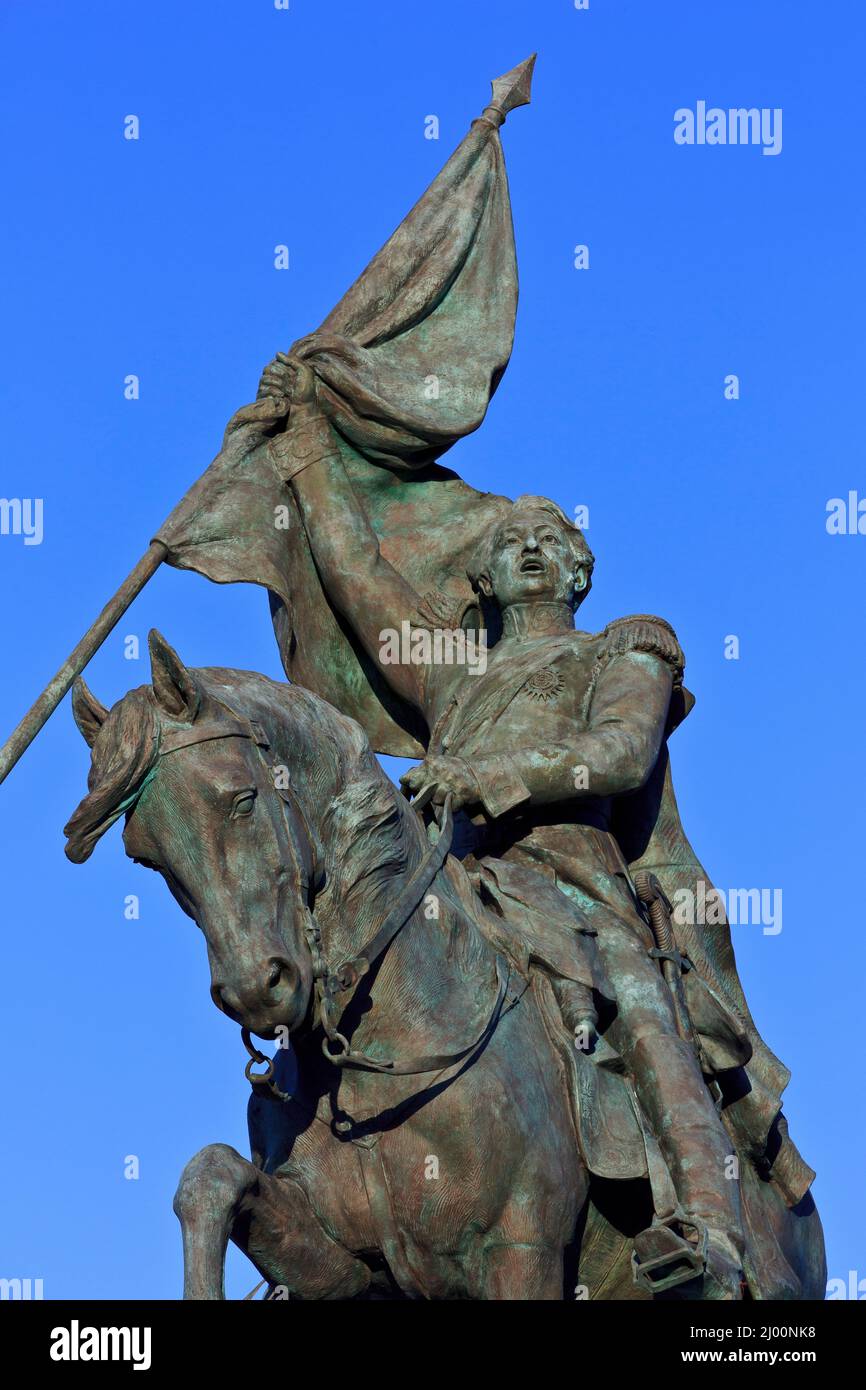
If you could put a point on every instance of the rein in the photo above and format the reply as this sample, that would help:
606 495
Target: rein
335 989
345 979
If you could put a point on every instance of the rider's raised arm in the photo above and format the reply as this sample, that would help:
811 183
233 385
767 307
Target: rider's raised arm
370 594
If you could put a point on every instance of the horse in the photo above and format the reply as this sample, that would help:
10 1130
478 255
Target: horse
417 1138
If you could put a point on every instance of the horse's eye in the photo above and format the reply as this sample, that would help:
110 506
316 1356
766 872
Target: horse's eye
243 804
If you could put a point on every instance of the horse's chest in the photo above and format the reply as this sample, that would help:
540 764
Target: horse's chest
408 1191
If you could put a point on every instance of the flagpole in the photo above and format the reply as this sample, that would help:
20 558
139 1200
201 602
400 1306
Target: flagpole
75 663
508 92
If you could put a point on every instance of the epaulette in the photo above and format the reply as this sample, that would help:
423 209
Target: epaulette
644 633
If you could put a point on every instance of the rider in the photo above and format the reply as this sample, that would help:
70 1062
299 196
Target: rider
537 749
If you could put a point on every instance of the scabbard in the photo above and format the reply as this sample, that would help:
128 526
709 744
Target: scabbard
672 963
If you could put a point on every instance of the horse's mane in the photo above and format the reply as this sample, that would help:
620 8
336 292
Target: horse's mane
368 838
365 831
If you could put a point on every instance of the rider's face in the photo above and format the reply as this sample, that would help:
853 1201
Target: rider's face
531 560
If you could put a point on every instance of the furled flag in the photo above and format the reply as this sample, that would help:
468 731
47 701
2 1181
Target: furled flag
406 365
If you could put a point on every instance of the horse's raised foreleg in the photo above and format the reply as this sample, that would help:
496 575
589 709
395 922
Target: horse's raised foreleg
212 1189
222 1196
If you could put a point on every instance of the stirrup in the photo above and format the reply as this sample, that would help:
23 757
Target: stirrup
666 1257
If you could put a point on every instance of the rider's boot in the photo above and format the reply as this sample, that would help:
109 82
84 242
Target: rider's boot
679 1109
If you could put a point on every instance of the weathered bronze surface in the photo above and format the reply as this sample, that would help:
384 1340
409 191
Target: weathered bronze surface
468 1149
513 1072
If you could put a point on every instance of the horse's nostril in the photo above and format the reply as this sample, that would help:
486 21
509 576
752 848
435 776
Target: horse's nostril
279 972
218 995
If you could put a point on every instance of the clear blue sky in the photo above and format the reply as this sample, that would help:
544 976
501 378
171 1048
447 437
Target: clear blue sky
155 257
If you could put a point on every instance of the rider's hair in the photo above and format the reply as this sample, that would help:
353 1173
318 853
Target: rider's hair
528 503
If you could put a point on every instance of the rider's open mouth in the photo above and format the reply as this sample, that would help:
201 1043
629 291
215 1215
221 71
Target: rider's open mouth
532 566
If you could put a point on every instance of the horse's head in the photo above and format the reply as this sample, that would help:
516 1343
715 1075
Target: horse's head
205 808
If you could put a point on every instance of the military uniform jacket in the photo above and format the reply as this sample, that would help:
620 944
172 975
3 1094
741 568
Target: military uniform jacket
567 737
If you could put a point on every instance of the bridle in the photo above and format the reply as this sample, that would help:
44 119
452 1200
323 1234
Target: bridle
336 988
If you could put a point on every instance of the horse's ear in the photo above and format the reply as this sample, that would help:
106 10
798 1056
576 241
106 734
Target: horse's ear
176 690
87 712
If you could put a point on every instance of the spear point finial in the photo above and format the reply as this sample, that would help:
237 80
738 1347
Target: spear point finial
512 89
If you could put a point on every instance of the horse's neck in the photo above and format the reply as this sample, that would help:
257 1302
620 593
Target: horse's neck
432 983
434 977
369 839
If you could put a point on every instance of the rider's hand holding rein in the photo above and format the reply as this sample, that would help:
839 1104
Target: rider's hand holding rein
437 777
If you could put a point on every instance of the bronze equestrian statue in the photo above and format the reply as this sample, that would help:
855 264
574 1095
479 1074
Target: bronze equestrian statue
507 1068
424 1137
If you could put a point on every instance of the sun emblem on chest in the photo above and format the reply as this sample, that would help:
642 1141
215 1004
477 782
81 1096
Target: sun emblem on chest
544 684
